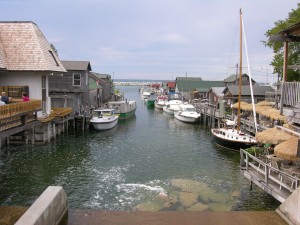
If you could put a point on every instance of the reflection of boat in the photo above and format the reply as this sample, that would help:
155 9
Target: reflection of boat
187 113
161 101
125 109
234 138
104 119
174 100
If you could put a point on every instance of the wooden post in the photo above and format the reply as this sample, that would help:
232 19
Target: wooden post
284 73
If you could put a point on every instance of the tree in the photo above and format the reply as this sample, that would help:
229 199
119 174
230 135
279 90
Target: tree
294 47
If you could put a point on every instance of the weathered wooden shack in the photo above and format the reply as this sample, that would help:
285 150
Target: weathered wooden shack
101 89
233 80
259 92
71 89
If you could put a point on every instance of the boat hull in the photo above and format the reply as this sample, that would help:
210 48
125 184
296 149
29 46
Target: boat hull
231 143
125 109
150 103
168 110
98 125
185 118
158 105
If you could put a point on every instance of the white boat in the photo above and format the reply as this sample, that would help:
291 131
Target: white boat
172 106
187 113
161 101
104 119
234 138
125 109
174 100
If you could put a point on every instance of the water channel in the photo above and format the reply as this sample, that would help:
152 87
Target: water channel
149 162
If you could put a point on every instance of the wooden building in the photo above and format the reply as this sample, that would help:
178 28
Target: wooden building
71 89
215 94
101 89
259 92
233 80
191 86
27 59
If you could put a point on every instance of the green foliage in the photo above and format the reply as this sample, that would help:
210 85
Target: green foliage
294 47
252 150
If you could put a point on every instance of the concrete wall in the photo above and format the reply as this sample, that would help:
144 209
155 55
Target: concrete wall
290 208
48 209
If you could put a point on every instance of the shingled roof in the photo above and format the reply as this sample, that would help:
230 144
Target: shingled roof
77 65
23 47
196 83
257 90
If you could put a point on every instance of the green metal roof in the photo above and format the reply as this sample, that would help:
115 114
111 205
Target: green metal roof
192 84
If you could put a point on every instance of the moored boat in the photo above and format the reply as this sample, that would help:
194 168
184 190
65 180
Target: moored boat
232 138
161 101
174 100
186 113
125 108
104 119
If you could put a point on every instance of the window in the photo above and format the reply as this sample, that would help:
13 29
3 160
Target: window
76 79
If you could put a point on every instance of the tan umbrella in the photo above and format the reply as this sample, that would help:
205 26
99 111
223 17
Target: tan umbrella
273 136
289 150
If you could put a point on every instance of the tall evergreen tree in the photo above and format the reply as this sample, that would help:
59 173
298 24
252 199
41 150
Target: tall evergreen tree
294 47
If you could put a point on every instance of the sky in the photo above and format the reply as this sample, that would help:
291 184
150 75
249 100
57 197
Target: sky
156 39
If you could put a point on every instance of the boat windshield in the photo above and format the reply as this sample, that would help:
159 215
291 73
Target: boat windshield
190 109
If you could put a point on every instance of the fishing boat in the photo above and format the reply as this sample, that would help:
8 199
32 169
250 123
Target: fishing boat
174 100
234 138
125 108
187 113
151 99
161 101
104 119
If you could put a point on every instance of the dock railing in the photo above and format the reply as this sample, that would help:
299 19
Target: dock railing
262 172
19 113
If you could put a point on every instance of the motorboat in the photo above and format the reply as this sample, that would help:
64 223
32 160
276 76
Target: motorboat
125 108
151 99
174 100
161 101
187 113
104 119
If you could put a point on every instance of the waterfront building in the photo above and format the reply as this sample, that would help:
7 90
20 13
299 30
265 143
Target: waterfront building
191 86
27 59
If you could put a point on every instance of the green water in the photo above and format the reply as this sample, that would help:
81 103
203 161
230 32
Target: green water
137 164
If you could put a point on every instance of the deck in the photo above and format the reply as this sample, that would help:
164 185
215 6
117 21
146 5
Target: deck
272 180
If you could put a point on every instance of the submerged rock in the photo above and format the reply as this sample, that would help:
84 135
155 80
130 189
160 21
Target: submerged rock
198 207
219 207
187 199
186 185
148 206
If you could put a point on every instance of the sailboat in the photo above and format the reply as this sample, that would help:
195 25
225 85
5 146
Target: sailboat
234 138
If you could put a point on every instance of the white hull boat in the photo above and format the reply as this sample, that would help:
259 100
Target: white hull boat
104 119
187 113
172 106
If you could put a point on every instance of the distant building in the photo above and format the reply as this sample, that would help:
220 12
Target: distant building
27 59
171 86
101 89
233 80
195 87
215 94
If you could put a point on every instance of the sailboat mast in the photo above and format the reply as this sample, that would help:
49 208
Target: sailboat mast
240 74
